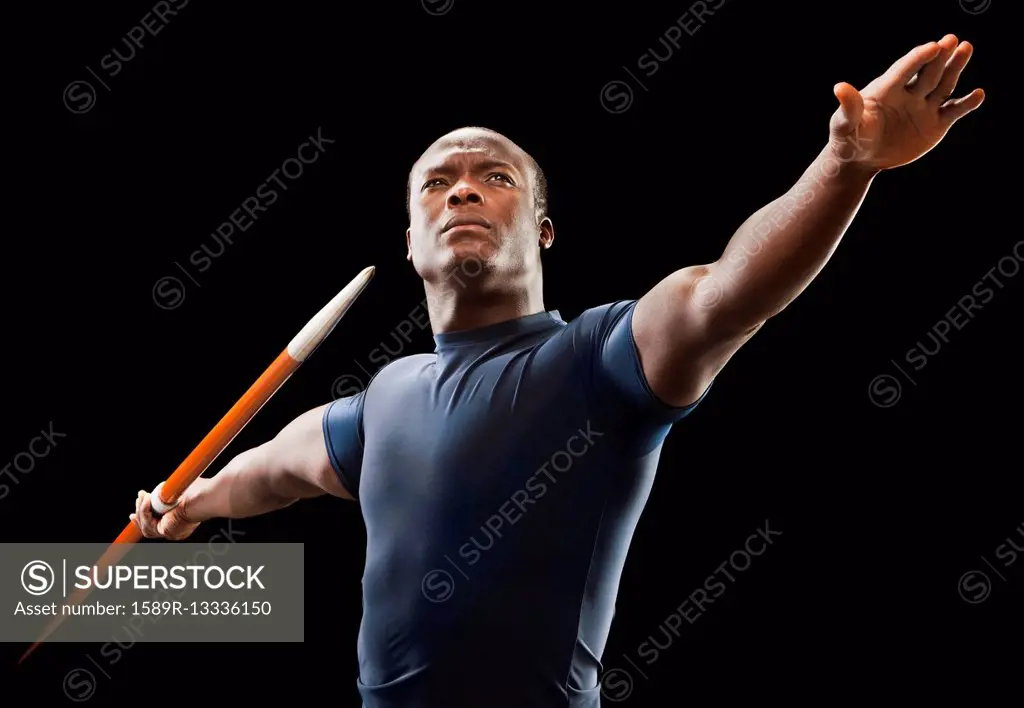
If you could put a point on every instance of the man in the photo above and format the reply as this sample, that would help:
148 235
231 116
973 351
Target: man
501 477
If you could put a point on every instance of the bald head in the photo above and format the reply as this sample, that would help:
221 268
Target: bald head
476 197
484 140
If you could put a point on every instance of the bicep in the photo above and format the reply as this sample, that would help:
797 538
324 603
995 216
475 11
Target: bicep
682 341
300 452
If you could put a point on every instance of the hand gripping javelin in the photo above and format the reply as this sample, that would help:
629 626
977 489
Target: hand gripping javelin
166 494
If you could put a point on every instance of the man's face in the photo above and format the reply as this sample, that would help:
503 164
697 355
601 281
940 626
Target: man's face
472 206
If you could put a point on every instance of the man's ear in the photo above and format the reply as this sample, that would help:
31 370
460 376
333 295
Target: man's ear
547 233
408 245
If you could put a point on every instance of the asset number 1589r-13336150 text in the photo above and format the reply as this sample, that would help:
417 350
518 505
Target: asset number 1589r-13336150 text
201 607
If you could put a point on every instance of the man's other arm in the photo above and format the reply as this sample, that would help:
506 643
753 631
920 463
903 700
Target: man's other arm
293 465
690 324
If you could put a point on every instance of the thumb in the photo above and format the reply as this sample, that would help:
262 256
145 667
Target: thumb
851 107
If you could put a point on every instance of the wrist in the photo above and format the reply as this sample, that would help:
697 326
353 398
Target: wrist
846 160
195 504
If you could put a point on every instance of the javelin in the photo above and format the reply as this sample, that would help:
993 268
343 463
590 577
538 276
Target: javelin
166 494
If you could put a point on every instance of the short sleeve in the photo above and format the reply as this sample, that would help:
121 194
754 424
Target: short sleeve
343 434
615 371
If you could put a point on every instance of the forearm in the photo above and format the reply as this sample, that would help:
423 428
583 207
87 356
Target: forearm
249 485
776 253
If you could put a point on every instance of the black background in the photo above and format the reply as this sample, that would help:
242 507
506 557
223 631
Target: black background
881 509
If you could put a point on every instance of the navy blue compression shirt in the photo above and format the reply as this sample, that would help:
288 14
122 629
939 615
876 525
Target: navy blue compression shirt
500 480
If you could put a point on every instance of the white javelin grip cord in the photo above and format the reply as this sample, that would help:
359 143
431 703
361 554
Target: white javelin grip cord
159 508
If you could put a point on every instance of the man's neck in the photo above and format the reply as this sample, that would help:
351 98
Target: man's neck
459 309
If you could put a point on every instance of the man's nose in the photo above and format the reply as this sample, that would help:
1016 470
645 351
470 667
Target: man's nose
464 194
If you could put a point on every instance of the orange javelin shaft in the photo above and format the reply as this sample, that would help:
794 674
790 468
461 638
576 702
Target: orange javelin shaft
211 446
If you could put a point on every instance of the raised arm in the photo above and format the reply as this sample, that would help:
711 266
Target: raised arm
692 322
293 465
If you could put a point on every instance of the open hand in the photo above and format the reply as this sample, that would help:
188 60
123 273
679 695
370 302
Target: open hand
906 111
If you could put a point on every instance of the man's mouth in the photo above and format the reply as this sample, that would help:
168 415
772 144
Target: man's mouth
466 221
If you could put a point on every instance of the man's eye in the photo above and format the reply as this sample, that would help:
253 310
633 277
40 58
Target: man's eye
504 177
430 182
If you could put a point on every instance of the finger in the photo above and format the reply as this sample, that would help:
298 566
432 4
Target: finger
165 526
928 78
137 516
947 85
912 62
953 111
851 107
146 515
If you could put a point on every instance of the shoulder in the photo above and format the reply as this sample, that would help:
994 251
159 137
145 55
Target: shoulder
589 331
396 381
344 419
402 369
603 316
352 390
612 368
